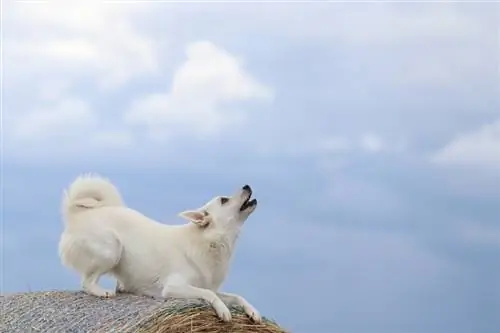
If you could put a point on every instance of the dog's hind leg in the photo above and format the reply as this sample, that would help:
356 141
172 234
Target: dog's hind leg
92 256
90 283
120 288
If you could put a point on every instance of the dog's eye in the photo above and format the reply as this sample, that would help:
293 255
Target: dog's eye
223 200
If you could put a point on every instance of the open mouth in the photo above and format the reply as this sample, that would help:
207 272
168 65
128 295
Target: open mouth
248 203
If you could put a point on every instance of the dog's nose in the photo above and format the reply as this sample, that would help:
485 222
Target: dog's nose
247 188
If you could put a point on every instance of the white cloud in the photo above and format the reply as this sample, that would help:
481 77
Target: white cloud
67 118
203 94
334 151
53 48
74 40
68 122
478 149
368 143
54 51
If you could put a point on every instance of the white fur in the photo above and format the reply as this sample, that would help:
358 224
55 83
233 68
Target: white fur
103 236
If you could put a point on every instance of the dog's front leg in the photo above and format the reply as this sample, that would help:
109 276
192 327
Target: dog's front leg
189 292
233 299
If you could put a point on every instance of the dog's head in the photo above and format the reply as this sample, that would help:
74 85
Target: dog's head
224 213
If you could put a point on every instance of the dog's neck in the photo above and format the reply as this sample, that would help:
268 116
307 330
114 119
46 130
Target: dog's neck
218 242
221 240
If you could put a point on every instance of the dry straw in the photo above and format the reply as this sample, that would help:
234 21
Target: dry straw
67 311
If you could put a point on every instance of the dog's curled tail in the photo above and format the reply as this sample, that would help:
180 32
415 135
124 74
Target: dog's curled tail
90 191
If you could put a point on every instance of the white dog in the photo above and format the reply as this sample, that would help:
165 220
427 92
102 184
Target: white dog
103 236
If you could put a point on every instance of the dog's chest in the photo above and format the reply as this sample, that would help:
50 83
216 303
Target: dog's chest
216 264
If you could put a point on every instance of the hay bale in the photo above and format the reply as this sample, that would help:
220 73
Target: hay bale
67 311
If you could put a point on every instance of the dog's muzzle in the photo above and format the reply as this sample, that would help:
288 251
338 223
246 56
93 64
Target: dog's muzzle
248 203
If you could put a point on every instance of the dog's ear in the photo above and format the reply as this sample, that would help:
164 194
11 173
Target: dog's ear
198 217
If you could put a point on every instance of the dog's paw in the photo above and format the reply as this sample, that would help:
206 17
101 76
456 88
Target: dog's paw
253 314
120 289
225 315
104 293
256 317
222 311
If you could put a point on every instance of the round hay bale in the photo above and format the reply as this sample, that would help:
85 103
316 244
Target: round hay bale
69 311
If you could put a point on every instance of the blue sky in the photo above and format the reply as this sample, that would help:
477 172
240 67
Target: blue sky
369 132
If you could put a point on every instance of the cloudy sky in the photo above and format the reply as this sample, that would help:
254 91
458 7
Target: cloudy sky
369 131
